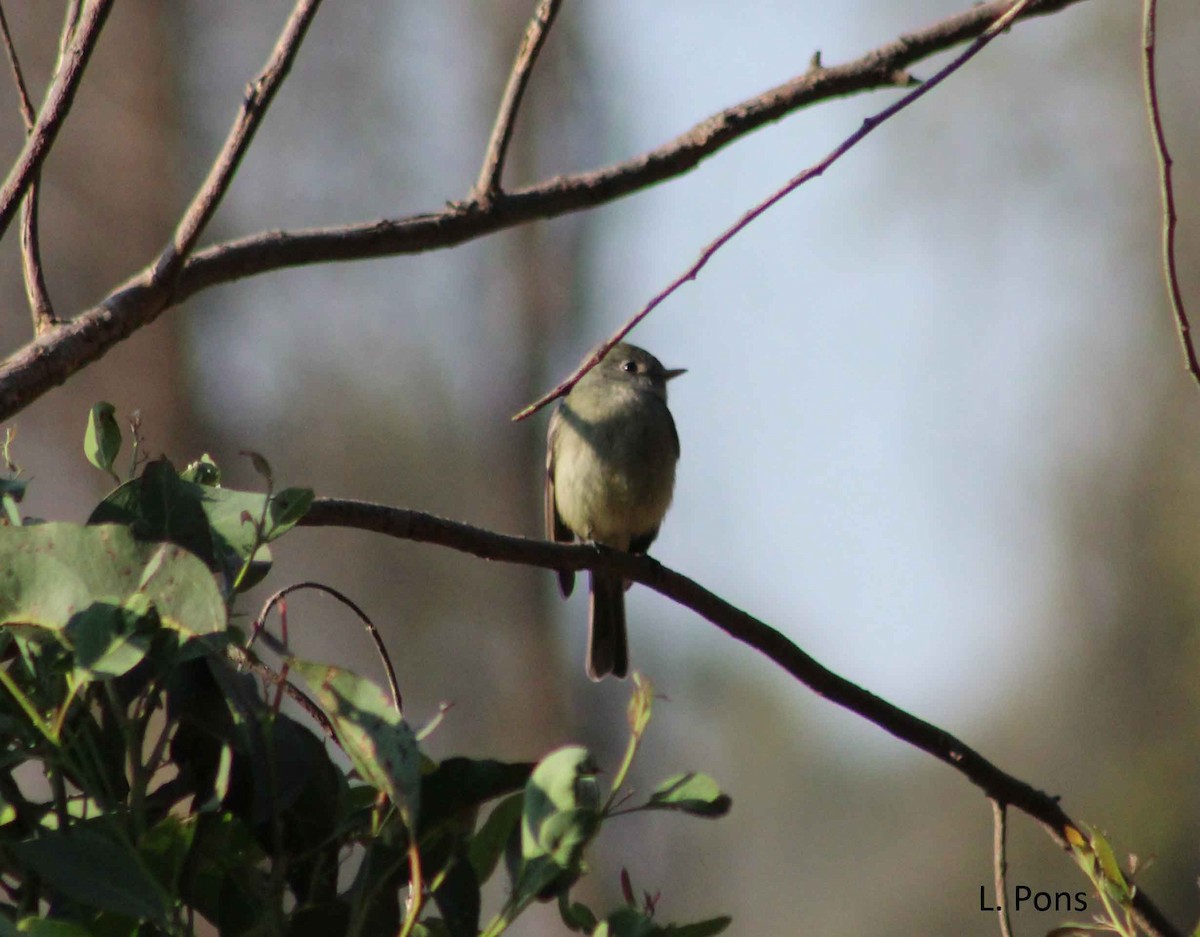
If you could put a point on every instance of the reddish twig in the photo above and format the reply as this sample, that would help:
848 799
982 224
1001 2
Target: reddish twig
425 528
59 98
1167 187
27 114
51 360
488 186
259 94
372 631
869 124
244 660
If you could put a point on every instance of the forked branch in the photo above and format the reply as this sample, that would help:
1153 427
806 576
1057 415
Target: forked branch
52 359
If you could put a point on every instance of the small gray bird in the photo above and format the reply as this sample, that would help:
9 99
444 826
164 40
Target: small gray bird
610 474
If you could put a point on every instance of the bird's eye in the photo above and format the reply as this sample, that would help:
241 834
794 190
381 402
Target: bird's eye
629 367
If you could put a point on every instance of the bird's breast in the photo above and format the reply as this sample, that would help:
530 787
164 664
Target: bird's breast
614 472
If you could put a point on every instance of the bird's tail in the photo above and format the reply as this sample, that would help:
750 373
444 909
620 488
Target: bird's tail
608 649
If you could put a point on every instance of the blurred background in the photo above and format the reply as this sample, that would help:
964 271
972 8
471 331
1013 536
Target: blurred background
936 426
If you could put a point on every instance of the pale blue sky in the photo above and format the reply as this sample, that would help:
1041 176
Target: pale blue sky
887 371
888 368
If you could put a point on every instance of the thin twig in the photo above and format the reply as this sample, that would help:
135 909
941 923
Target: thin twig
27 114
1167 187
380 648
244 660
488 186
1000 864
259 94
869 124
31 260
425 528
416 886
59 97
47 362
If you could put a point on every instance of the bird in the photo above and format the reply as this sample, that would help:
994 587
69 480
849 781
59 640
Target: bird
611 453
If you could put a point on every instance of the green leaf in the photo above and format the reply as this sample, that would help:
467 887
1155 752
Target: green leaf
232 517
261 465
46 927
203 471
286 508
158 506
224 879
110 640
378 740
217 524
576 915
12 513
487 846
1114 879
454 790
561 802
102 441
15 487
96 870
457 898
626 922
51 572
692 793
165 846
560 817
641 705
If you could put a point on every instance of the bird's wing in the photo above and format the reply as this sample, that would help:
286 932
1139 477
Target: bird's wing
555 528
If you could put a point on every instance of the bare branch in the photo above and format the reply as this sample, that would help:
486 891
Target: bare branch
792 184
31 260
51 360
488 186
425 528
59 98
1167 187
1000 864
259 94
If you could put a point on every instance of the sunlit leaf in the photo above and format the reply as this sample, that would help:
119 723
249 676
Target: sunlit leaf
375 736
102 440
693 793
51 572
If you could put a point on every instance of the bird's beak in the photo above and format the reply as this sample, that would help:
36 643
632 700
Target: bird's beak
673 373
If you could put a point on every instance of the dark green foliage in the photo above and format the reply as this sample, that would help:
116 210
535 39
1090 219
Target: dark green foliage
168 787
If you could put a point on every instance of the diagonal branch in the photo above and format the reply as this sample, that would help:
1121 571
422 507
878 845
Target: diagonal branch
488 186
259 95
59 97
1167 187
51 360
996 784
817 169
